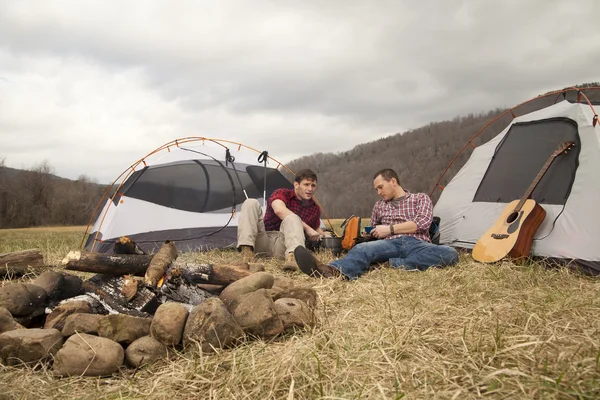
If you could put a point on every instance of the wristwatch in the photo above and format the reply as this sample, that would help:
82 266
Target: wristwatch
392 229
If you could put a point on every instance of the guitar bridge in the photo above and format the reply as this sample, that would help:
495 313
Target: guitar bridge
500 236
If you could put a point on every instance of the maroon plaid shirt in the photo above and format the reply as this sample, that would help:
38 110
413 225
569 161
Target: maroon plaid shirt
308 211
415 207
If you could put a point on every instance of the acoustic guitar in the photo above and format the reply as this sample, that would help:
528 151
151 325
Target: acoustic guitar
512 234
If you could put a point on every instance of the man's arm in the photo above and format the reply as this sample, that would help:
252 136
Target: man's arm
424 215
382 231
422 220
282 211
313 234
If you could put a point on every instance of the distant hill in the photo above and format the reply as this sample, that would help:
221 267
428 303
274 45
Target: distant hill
37 197
419 156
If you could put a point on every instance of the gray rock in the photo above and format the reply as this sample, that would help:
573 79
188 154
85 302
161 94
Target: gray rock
168 323
257 316
306 294
249 284
22 299
7 322
144 350
82 323
29 345
72 286
294 314
34 320
283 282
275 292
52 282
123 328
88 355
56 319
211 326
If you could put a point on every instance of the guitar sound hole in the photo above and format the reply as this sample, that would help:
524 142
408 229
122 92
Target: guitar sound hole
511 218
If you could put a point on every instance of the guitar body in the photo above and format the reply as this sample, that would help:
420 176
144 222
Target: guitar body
512 234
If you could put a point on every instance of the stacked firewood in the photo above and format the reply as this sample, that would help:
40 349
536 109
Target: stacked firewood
137 307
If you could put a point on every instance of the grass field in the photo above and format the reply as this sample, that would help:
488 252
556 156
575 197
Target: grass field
470 331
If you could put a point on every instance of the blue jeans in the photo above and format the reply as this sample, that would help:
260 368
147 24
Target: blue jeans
404 252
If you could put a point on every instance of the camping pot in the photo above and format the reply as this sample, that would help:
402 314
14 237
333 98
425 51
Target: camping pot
333 243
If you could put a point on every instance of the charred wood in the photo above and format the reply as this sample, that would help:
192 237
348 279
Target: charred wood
108 291
176 288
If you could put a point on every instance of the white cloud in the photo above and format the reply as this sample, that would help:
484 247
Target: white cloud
93 86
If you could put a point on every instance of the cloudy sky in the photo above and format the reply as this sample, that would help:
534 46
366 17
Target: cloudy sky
91 86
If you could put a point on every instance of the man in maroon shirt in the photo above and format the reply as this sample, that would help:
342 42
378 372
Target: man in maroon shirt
401 221
291 216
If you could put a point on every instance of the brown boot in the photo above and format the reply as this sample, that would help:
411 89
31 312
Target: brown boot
313 267
247 253
290 263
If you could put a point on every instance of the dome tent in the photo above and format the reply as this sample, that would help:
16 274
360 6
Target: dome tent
190 191
501 170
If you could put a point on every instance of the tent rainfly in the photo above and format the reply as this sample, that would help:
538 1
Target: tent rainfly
502 169
189 191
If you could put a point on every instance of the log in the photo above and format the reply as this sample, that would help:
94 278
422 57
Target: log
214 289
127 246
215 274
160 263
21 262
109 264
129 264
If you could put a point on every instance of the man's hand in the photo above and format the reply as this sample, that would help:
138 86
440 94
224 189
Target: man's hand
381 231
313 235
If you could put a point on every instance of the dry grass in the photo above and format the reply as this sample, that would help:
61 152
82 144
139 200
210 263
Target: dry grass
474 330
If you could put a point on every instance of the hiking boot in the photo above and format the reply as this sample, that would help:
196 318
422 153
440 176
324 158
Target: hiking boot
312 266
247 253
290 263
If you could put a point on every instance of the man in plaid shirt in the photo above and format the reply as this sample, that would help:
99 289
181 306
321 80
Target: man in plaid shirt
291 216
401 222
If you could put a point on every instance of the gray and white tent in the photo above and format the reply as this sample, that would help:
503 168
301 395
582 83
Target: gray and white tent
189 191
502 169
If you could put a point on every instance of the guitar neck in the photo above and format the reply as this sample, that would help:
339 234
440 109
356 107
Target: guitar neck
535 182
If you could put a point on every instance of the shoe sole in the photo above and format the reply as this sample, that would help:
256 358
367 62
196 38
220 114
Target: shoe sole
306 262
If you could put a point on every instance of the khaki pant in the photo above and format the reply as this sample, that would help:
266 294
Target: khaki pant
251 232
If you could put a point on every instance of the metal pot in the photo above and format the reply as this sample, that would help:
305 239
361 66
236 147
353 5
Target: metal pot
333 243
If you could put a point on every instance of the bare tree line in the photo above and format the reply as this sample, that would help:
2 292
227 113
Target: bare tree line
36 197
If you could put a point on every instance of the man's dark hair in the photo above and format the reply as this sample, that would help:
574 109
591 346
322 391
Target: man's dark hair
305 174
387 174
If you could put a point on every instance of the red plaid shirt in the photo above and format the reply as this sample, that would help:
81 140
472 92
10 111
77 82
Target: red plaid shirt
308 211
415 207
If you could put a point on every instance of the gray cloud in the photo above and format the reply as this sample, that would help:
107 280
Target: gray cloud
105 83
